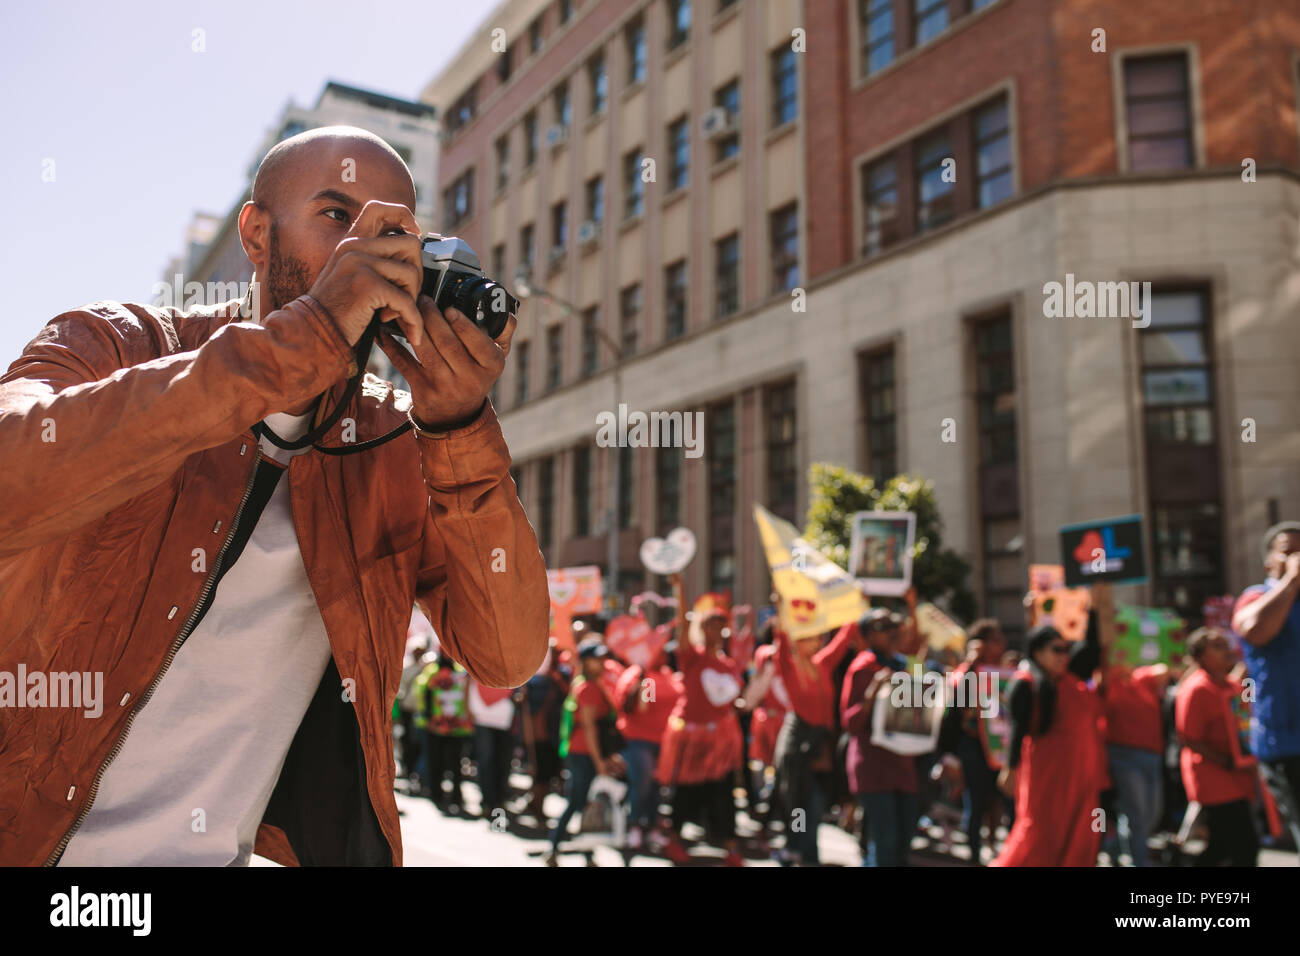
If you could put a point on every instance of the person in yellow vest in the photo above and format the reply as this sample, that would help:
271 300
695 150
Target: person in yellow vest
443 689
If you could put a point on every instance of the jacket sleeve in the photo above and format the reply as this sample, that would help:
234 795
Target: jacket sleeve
855 713
90 418
482 580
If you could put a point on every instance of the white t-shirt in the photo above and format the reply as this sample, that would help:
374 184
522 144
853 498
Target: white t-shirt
202 757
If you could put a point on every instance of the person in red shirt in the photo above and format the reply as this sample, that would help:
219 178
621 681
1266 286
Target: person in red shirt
1135 745
646 698
702 746
804 745
588 704
768 700
1056 766
1216 773
883 781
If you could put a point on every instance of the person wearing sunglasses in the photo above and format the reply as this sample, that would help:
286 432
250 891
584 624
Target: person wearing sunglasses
1056 764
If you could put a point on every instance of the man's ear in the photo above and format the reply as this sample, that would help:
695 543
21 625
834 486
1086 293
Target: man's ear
255 234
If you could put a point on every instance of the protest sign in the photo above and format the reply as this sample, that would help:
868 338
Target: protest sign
1065 609
880 555
1112 550
670 554
906 716
817 595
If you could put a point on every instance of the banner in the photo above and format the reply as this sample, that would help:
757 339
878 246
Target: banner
1147 635
816 593
1109 550
938 629
633 639
1065 609
574 591
995 731
881 553
907 715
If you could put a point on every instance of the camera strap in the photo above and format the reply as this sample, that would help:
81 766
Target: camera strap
362 352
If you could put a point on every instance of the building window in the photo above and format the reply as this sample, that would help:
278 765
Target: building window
499 261
521 373
1157 107
526 248
503 163
458 199
629 309
992 153
782 453
880 414
720 425
880 205
554 356
998 478
596 199
784 231
633 185
566 10
785 86
634 38
563 106
675 300
545 501
668 488
627 485
931 19
876 25
590 341
535 35
934 190
530 139
1182 454
727 144
463 109
679 153
727 276
679 22
504 64
598 79
560 225
582 491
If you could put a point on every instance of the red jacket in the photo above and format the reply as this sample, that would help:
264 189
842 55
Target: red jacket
126 436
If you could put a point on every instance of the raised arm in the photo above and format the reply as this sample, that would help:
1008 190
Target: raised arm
1260 620
831 655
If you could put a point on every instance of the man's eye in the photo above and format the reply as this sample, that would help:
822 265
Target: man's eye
342 214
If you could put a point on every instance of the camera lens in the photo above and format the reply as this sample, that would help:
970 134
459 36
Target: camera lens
486 303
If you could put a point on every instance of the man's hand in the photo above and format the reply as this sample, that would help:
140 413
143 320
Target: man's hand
1293 565
374 269
454 366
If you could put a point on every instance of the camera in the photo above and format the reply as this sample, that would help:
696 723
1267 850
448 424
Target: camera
453 278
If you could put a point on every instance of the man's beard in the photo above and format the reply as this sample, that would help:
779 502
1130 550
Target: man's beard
286 277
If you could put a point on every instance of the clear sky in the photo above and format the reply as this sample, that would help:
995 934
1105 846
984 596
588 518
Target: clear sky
144 131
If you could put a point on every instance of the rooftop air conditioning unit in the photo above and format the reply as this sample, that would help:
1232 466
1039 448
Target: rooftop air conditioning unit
589 231
556 135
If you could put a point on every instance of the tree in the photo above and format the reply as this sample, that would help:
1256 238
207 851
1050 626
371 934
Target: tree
938 573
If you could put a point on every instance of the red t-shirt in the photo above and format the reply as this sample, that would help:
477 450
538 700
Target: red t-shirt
648 717
1203 714
1133 710
813 698
590 695
871 769
710 684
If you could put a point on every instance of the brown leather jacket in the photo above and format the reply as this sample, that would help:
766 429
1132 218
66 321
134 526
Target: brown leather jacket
126 444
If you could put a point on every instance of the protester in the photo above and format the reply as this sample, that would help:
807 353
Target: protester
448 729
493 713
1055 766
646 698
702 746
804 747
541 703
586 707
1215 772
1135 738
1267 616
883 781
768 701
416 659
985 646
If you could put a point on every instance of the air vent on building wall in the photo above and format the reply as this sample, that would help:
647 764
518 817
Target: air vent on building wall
556 135
717 122
589 231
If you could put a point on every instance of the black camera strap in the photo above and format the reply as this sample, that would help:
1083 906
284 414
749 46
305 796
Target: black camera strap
362 353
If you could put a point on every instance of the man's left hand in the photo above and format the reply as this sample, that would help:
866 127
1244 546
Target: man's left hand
453 368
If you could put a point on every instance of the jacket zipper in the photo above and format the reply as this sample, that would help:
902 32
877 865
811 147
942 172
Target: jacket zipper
184 634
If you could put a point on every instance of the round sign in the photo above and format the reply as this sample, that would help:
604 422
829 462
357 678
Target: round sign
669 555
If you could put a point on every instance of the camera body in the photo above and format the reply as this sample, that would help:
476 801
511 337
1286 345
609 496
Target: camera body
453 278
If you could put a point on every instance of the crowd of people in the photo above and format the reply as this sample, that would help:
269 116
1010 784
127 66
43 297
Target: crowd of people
1101 760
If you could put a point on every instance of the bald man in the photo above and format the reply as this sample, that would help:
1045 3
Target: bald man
203 630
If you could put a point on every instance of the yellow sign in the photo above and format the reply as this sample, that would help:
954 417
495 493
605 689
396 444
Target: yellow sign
817 595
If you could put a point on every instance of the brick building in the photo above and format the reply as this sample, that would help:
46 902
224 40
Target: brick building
919 170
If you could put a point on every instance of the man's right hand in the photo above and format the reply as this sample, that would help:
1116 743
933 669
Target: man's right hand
373 271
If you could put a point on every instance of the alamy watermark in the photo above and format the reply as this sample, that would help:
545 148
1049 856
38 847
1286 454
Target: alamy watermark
637 429
182 295
76 689
1101 300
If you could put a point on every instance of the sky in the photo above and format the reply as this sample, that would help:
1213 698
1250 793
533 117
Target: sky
143 131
